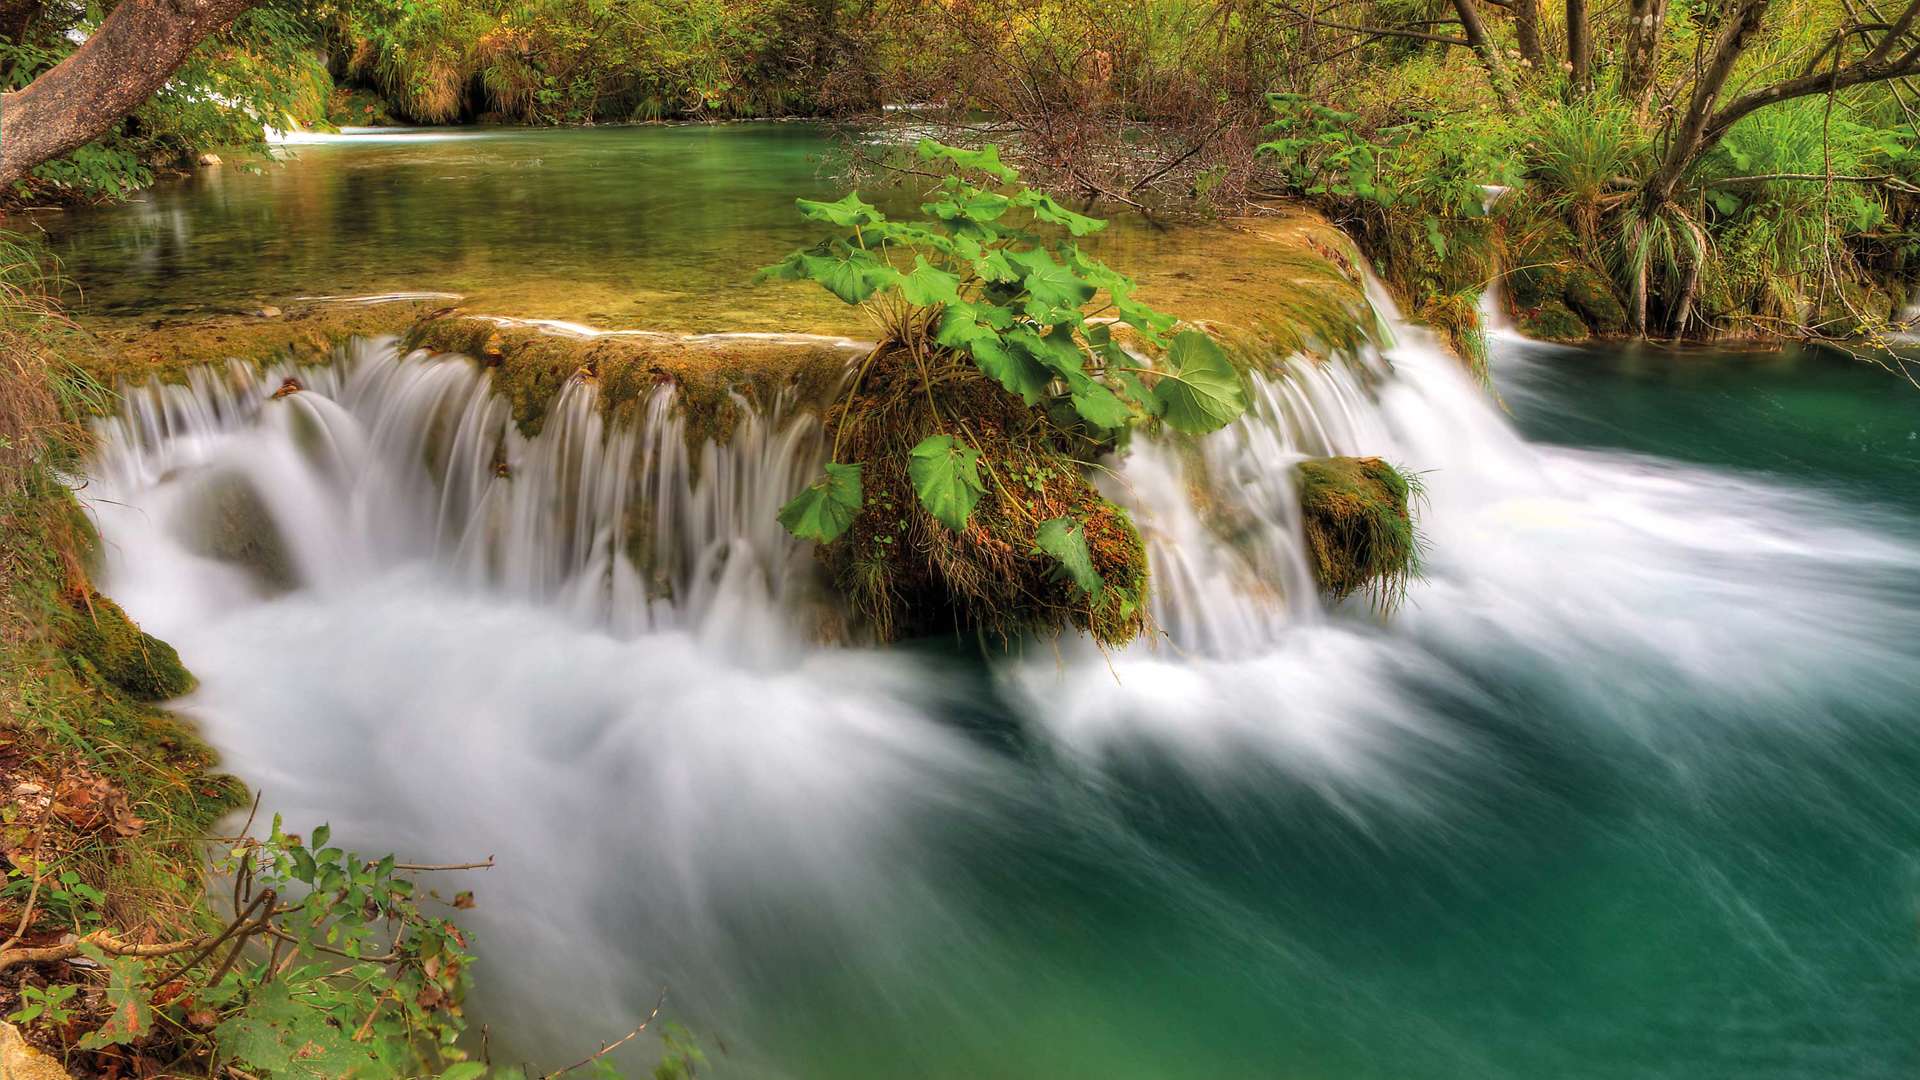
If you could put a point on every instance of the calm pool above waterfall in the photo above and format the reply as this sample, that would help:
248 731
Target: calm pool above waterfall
1630 787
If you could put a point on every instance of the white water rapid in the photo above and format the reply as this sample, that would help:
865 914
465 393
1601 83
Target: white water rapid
586 657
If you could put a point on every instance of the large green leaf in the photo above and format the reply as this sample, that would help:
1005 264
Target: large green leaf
853 275
946 476
1046 209
1051 287
826 509
927 284
1057 349
1096 404
1199 387
1013 369
993 266
986 159
1152 324
848 211
1066 540
969 205
919 236
284 1038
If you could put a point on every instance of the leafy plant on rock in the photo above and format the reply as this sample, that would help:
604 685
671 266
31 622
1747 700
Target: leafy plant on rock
1014 358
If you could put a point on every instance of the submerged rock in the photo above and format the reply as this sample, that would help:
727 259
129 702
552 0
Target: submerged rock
1359 527
142 665
225 518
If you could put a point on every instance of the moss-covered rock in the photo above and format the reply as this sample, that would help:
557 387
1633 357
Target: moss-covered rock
1551 320
1532 284
355 106
1359 527
1589 293
1457 318
142 665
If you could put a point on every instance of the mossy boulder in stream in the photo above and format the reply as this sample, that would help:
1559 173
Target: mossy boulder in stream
142 665
1359 527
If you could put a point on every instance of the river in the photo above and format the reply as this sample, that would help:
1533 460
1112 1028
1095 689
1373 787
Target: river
1629 787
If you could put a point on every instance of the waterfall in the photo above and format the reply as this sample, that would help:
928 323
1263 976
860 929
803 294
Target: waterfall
347 470
591 653
380 459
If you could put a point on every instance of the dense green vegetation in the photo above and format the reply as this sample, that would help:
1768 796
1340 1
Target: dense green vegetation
958 453
1743 168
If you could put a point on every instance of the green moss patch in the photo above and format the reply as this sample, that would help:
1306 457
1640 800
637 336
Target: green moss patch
1359 527
1551 321
76 681
142 665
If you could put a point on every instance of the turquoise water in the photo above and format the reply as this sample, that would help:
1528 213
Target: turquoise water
657 227
1630 788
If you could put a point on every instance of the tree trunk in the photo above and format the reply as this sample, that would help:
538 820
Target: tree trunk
1526 33
16 18
1488 51
1691 138
133 53
1579 49
1641 61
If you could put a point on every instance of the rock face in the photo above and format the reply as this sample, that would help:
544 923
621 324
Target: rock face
1359 527
18 1061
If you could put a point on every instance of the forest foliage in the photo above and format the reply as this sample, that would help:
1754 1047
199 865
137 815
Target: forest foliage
1668 168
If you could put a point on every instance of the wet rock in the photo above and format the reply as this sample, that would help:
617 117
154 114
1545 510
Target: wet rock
1591 295
225 518
208 159
269 312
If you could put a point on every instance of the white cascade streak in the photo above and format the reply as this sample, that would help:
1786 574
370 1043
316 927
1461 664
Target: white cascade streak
383 460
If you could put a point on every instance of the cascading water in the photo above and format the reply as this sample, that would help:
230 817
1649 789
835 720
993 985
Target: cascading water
1524 829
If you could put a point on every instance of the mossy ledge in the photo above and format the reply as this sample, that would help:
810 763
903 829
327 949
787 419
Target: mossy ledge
139 664
128 352
1358 519
531 363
